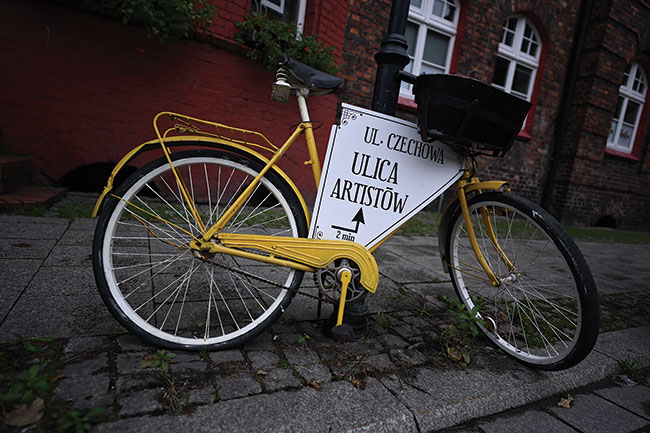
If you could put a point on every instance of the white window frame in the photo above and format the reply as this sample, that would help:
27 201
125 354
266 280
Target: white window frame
515 56
278 7
424 18
627 93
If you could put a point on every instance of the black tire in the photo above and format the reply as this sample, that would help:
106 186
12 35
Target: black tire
545 310
166 293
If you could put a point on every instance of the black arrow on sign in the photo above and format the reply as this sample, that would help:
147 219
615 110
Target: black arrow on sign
358 218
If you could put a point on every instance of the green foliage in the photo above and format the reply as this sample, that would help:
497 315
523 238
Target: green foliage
161 18
456 337
26 388
73 420
269 38
305 337
161 359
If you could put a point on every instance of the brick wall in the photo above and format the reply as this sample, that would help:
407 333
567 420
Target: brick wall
595 183
588 183
79 88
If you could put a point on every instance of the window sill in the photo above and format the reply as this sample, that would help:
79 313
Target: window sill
621 154
407 103
524 135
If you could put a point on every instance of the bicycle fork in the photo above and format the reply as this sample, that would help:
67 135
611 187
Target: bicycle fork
468 184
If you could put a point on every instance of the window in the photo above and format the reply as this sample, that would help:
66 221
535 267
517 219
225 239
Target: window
430 34
518 57
631 97
285 10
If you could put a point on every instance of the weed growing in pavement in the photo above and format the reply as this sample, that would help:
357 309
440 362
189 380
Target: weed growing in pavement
382 320
456 337
629 368
161 360
74 420
25 389
401 296
27 401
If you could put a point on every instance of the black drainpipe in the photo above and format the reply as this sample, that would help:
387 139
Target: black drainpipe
584 16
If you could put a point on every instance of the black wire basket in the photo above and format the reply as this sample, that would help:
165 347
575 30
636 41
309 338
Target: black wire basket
469 115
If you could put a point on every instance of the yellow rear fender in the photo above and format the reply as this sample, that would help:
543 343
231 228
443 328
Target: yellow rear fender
194 141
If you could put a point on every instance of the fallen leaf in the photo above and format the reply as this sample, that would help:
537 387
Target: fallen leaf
314 384
358 384
24 415
453 353
262 372
565 402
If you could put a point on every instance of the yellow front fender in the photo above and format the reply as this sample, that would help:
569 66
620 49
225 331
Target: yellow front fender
196 141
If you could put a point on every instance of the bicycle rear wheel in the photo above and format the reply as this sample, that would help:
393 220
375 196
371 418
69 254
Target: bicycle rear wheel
544 311
174 297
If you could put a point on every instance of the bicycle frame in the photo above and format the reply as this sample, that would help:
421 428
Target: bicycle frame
297 253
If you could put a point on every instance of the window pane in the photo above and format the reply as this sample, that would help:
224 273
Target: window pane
416 4
430 69
619 104
411 37
625 139
444 9
631 112
501 72
509 28
408 68
521 80
435 48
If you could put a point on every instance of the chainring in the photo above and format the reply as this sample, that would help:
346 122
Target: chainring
329 285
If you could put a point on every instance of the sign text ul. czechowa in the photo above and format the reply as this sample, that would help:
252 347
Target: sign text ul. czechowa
365 165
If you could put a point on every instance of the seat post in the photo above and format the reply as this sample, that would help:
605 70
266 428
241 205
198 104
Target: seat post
301 95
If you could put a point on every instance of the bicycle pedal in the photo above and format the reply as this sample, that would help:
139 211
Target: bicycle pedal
342 333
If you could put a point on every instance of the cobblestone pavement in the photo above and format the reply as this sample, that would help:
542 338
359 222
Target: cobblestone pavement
293 378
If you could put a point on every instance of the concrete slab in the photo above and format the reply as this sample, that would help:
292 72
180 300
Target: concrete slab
590 413
541 421
635 398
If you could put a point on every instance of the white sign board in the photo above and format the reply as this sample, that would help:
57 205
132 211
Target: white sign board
377 174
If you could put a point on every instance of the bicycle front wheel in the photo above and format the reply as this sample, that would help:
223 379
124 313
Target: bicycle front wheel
172 296
544 310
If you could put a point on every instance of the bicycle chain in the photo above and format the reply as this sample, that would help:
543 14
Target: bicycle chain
272 283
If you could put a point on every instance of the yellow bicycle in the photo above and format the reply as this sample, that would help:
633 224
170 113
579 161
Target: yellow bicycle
206 246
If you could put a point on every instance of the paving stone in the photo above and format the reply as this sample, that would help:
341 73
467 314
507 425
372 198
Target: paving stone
633 398
590 413
83 344
542 422
94 401
185 369
315 372
29 230
280 378
379 362
237 385
129 342
224 356
87 367
128 363
140 401
73 387
393 341
202 396
263 360
301 356
25 249
69 255
408 356
16 275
